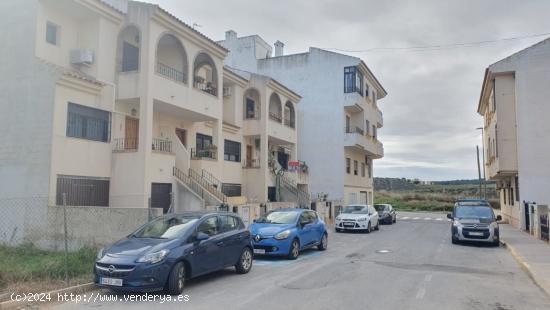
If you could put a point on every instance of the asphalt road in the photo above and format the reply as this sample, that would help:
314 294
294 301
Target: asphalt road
418 268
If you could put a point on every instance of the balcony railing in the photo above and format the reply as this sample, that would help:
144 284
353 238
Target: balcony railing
289 123
354 130
171 73
252 163
162 145
276 117
125 145
206 87
204 153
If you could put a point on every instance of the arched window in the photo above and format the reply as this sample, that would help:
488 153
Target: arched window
128 49
290 115
275 108
171 59
205 75
251 104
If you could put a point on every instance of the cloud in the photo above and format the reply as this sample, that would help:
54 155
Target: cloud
430 112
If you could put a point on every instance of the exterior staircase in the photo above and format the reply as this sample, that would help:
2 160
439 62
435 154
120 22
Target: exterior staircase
302 197
202 184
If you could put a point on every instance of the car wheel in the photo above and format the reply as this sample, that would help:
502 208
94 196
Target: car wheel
245 262
454 240
395 219
324 243
294 249
176 279
338 230
377 225
496 242
368 228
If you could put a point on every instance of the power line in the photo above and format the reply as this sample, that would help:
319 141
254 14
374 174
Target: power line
439 46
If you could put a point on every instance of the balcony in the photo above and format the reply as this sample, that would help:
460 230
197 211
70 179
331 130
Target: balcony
354 130
275 117
125 145
197 154
367 144
252 163
162 146
170 72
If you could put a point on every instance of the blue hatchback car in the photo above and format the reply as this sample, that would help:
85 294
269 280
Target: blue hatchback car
285 232
165 252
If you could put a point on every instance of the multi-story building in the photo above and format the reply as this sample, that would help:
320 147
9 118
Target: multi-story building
119 103
338 115
514 106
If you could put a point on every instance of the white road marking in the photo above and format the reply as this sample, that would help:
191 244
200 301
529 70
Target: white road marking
427 218
438 219
405 218
416 218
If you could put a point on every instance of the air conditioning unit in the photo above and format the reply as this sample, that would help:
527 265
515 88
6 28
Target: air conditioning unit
227 91
82 57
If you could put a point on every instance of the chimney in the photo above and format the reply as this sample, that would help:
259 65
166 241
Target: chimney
230 35
279 46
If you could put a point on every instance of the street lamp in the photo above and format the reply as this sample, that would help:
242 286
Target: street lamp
483 158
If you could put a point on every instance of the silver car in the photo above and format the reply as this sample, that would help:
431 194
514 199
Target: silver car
474 223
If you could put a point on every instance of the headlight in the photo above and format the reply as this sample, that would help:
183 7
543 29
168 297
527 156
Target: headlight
493 225
338 218
100 253
153 258
282 235
362 219
457 223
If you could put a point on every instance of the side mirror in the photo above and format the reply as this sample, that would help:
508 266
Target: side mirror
303 223
254 221
201 237
499 218
449 216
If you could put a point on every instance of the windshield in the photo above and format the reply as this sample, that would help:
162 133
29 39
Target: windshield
166 227
381 207
356 210
473 212
279 217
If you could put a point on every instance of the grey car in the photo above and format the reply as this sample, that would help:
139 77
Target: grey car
474 223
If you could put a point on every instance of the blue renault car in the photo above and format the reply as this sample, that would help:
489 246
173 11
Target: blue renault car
164 253
285 232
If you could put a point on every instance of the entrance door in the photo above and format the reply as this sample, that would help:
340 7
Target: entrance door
161 196
283 159
182 135
272 193
249 156
527 220
131 133
364 198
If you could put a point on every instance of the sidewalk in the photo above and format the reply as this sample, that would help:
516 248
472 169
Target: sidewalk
532 254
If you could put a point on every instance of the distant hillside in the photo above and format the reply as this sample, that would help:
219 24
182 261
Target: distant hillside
393 184
460 182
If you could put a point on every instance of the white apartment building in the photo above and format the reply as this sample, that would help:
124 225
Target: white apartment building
121 104
514 105
338 115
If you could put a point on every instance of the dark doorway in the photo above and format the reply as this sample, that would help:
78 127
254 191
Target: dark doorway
161 196
272 193
527 221
283 159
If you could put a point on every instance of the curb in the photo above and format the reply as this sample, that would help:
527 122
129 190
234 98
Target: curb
77 289
525 266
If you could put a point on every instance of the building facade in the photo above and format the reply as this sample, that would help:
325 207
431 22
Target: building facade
338 115
514 107
120 104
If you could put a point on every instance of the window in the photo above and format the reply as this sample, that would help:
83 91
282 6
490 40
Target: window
228 223
82 191
366 90
88 123
348 121
312 216
353 80
367 127
511 199
363 170
517 188
374 133
130 57
348 165
209 226
52 33
203 141
232 151
355 167
231 190
250 108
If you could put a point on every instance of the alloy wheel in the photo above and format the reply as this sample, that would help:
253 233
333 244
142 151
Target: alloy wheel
181 277
246 259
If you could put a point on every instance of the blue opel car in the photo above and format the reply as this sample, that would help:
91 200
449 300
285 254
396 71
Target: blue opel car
285 232
165 252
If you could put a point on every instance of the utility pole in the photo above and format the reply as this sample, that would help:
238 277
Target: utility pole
479 171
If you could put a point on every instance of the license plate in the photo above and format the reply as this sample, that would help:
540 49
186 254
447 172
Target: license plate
259 251
349 224
476 234
111 281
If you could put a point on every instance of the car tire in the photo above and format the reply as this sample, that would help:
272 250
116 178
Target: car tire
368 228
496 243
395 219
176 279
454 240
294 250
338 230
377 225
245 261
324 243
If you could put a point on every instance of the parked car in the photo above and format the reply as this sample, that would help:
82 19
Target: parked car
286 232
164 253
474 223
386 213
357 217
472 202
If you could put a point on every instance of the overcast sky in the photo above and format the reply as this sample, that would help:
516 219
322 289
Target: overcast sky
430 111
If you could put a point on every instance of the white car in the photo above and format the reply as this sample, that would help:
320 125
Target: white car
357 217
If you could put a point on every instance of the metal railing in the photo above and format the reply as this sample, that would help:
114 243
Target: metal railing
202 153
210 178
171 73
210 188
207 87
162 145
186 179
125 144
276 117
302 196
252 163
354 130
